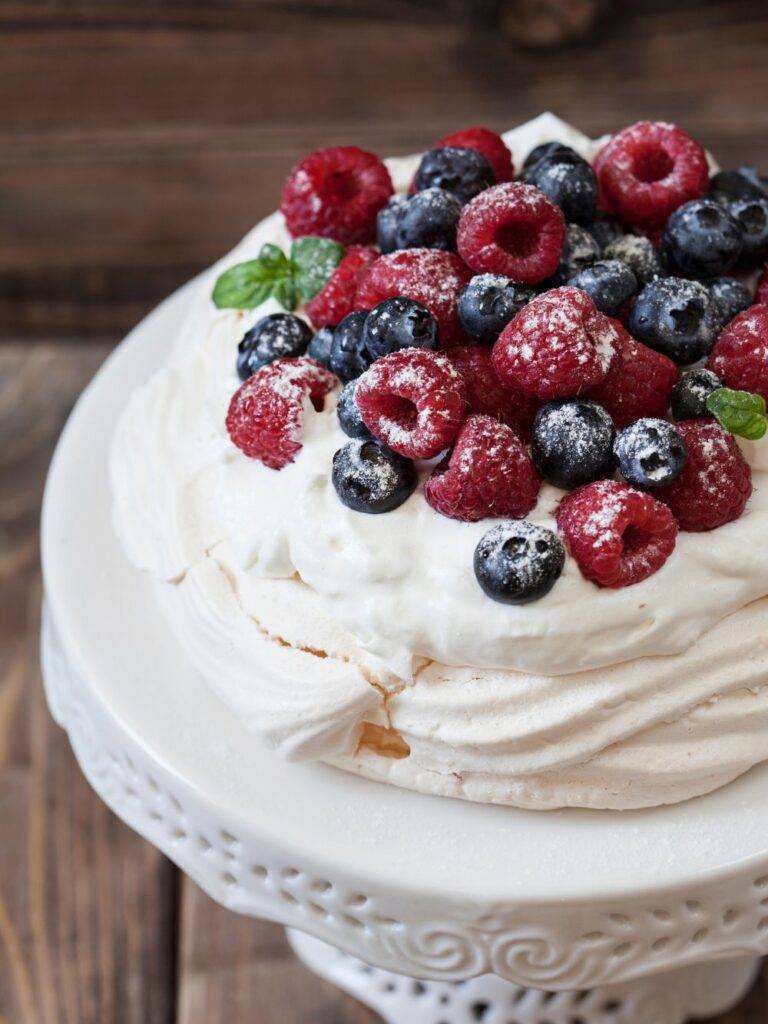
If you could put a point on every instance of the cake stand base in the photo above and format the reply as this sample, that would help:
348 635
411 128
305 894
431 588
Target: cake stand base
689 993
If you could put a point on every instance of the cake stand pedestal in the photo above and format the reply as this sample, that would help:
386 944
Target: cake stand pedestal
432 911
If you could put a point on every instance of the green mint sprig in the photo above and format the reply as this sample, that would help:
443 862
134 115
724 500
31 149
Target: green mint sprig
289 279
739 412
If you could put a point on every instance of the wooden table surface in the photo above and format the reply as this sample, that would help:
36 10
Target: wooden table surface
138 141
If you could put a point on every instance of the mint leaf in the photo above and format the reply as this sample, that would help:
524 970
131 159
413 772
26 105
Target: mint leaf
314 259
739 412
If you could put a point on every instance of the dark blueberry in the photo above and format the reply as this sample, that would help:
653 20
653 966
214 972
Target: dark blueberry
676 317
580 250
370 478
752 174
488 303
570 182
609 283
349 356
388 221
399 323
464 172
518 562
690 394
752 217
731 297
650 453
320 346
605 230
640 255
702 239
725 186
572 442
429 221
277 336
350 420
547 149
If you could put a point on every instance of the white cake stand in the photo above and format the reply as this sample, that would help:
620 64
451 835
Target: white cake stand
510 917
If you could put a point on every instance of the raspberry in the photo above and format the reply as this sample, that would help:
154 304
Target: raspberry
761 295
489 143
487 473
337 298
430 276
649 169
639 381
618 536
512 229
716 482
336 193
487 395
413 401
266 413
557 346
740 355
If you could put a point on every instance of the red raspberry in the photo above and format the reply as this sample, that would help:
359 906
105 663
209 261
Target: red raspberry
487 473
266 413
336 193
337 298
489 143
487 395
430 276
716 482
639 381
512 229
761 295
557 346
649 169
413 401
618 536
740 355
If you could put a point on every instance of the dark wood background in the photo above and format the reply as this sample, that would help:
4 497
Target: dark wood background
138 140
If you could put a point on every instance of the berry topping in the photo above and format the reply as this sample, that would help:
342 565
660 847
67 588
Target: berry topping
639 381
388 221
320 346
580 250
572 442
731 297
277 336
544 150
702 239
426 220
413 401
429 276
336 193
648 170
677 317
337 298
751 215
370 478
348 412
609 283
512 229
618 536
605 230
518 562
716 482
640 255
740 356
761 295
690 394
488 303
489 143
349 356
559 345
487 473
486 394
266 413
650 453
569 181
399 323
725 186
463 172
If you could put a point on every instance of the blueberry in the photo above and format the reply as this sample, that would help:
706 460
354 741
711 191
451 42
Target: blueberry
277 336
370 478
464 172
752 174
572 442
428 221
488 303
320 346
702 239
399 323
350 420
604 230
609 283
388 221
676 317
570 182
650 453
546 149
518 562
731 297
725 186
752 217
349 356
580 250
690 394
640 255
